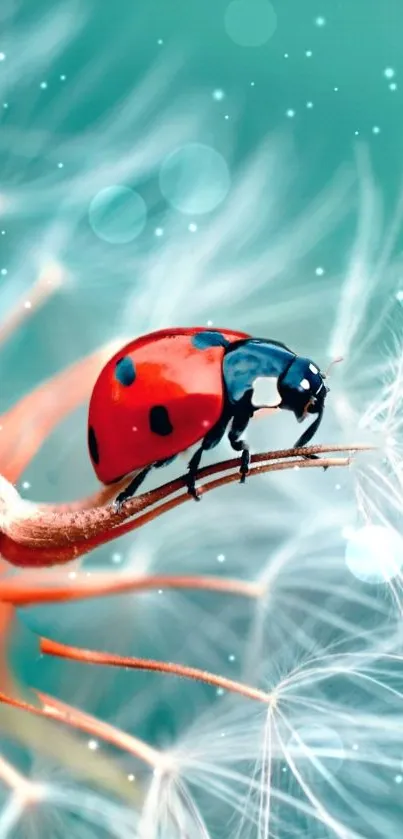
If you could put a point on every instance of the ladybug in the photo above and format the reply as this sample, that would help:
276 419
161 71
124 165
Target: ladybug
168 390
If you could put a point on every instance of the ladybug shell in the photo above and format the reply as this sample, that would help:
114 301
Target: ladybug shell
157 397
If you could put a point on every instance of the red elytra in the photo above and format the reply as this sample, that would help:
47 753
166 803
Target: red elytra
180 384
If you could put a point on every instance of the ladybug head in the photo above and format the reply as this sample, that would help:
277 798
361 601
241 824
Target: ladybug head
303 391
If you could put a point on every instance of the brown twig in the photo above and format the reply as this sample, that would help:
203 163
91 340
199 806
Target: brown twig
32 535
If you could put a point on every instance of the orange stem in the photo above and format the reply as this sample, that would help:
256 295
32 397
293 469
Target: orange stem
49 647
24 592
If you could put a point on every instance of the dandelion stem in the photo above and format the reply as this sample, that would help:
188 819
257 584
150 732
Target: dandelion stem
34 535
49 647
27 592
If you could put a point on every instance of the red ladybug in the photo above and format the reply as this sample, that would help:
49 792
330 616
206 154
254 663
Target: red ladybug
168 390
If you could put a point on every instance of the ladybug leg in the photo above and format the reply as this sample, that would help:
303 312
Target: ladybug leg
130 490
238 426
211 439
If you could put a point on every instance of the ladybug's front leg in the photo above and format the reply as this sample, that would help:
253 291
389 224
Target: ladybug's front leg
130 490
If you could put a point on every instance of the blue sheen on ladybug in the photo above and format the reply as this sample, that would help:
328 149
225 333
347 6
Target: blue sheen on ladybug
187 386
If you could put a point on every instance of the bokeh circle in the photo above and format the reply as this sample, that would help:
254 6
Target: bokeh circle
250 23
194 179
374 554
117 214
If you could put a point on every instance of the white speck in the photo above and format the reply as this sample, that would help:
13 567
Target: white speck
3 232
1 428
116 558
72 575
376 129
308 53
284 769
296 468
192 227
60 165
399 296
393 86
355 747
63 78
44 85
220 691
389 72
231 658
356 133
286 55
399 779
319 271
305 384
26 485
160 591
159 231
27 304
160 42
338 486
4 272
5 105
93 745
209 323
226 116
320 21
309 104
290 113
335 89
218 95
221 558
131 777
2 56
252 84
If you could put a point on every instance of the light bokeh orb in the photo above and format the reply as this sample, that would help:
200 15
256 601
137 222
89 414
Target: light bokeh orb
250 23
195 179
117 214
374 554
319 744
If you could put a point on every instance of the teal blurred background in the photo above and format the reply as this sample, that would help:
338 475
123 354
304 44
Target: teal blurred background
251 154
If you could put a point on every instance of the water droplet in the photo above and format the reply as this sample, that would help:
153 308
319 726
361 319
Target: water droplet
194 179
250 23
117 214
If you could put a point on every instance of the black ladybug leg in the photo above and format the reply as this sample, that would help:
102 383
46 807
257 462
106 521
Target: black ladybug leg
211 439
193 466
239 423
130 490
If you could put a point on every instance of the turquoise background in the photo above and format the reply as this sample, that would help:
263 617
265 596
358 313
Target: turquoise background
95 95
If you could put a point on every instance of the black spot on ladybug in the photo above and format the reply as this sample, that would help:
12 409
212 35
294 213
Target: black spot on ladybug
93 445
159 421
205 340
125 371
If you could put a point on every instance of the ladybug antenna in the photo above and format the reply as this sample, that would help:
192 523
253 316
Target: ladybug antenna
337 360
